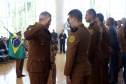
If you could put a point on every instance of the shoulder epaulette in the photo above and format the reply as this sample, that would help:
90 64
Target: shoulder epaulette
74 29
92 24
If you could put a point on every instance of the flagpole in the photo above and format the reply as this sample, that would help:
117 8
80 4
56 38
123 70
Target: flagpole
6 28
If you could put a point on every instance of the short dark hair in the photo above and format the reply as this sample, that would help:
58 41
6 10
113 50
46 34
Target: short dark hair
111 20
76 13
100 16
115 22
93 12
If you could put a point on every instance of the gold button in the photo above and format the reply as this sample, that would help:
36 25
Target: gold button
38 59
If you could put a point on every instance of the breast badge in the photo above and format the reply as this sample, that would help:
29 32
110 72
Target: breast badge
72 39
91 31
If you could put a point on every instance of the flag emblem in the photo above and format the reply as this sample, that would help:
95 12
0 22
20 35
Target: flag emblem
15 43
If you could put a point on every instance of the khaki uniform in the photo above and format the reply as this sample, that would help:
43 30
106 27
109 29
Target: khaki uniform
38 64
123 50
77 65
95 53
121 31
105 44
121 39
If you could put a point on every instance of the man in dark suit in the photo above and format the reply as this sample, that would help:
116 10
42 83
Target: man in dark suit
54 36
113 67
62 38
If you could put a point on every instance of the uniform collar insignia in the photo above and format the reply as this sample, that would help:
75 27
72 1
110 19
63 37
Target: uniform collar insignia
74 29
92 24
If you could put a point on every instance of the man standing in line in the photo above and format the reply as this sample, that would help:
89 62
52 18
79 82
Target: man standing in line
94 52
54 36
113 67
106 48
62 38
77 67
39 39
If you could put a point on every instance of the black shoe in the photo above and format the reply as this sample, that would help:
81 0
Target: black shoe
18 76
22 75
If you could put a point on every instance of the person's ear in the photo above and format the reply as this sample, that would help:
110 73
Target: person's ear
98 19
91 15
74 18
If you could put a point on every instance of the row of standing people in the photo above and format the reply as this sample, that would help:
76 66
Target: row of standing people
103 50
87 54
62 37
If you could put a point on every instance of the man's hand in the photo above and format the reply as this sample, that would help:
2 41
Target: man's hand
45 21
68 79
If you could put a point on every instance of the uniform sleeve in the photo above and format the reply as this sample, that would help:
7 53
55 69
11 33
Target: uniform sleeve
72 43
106 39
92 45
32 32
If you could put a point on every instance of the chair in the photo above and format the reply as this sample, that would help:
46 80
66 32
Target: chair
3 55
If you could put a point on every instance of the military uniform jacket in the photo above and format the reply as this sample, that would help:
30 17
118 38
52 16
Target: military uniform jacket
39 40
105 43
94 52
77 64
122 40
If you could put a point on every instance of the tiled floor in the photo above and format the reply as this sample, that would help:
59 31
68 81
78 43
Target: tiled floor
8 74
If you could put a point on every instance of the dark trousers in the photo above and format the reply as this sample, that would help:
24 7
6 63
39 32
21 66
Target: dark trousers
123 55
38 77
62 46
19 66
113 67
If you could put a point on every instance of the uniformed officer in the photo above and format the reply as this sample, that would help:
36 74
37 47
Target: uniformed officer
77 67
119 22
39 39
113 66
19 62
94 51
122 39
106 48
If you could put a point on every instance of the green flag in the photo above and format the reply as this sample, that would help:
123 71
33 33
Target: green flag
16 47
